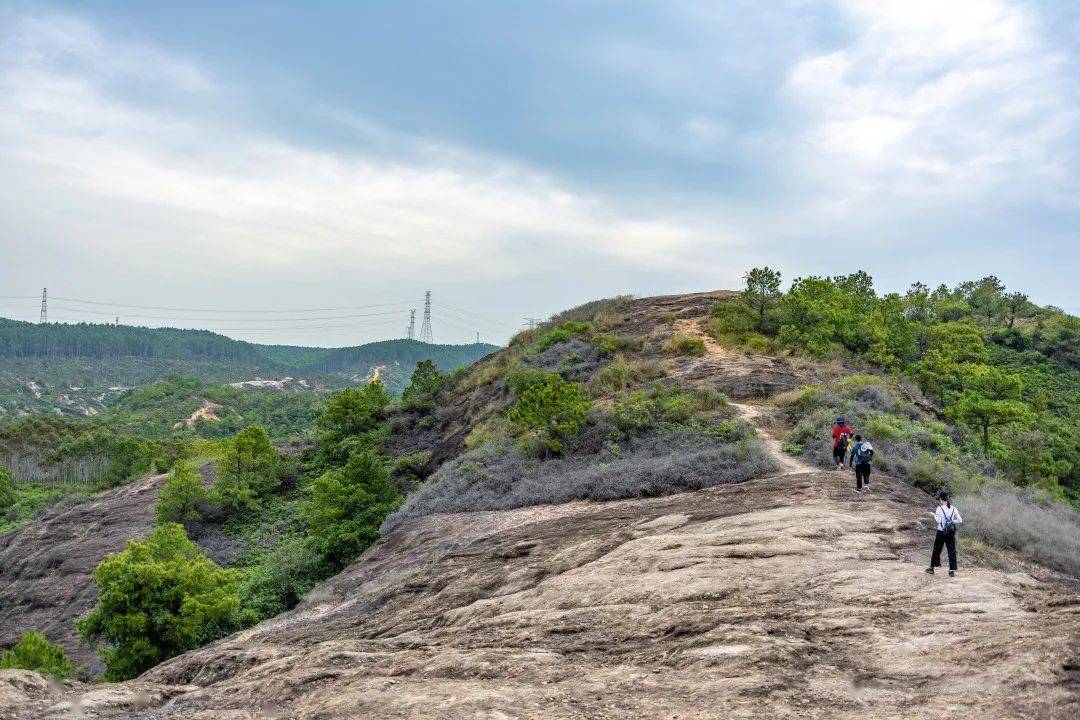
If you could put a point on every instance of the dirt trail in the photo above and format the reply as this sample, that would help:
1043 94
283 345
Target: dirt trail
753 413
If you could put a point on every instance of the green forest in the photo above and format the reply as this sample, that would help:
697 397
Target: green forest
1001 370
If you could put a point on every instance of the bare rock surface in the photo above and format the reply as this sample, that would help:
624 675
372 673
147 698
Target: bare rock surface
784 597
46 567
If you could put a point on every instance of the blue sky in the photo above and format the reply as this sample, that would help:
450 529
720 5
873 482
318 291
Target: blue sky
518 158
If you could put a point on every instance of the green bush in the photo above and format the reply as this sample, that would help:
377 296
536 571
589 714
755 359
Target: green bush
425 384
8 493
277 580
35 652
644 409
350 418
247 471
617 375
129 457
549 406
683 344
561 333
156 599
346 506
181 496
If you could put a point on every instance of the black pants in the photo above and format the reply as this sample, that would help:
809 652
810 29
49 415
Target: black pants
949 541
862 474
838 453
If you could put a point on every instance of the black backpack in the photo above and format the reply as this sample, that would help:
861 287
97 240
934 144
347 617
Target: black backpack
950 521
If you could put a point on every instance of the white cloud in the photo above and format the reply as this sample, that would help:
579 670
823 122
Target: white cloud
260 199
950 99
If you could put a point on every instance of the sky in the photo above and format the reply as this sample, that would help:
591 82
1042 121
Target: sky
303 172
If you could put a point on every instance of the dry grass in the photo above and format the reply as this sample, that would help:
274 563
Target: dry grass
1049 534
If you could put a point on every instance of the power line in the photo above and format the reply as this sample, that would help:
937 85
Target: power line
219 310
44 306
472 314
215 319
490 325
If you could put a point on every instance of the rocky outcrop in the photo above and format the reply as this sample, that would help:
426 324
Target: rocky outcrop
46 567
784 597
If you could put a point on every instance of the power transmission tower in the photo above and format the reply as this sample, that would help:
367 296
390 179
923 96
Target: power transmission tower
44 306
411 332
425 327
478 338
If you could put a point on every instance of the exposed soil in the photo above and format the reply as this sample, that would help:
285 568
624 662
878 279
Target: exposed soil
46 566
206 412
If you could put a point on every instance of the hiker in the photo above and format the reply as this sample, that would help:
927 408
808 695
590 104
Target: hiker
947 518
841 435
862 454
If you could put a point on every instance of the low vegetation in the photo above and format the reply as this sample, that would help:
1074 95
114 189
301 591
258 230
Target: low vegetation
35 652
684 344
1044 531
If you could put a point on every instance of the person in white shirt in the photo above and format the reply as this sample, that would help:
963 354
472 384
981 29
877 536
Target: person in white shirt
947 518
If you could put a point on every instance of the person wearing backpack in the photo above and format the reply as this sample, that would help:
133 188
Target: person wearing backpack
947 518
862 455
841 435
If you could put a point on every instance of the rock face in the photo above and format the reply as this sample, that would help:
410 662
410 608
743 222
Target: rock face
46 566
784 597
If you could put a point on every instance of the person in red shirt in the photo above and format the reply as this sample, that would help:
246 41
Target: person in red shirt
841 435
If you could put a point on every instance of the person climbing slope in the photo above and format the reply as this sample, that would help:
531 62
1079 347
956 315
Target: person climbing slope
841 436
862 455
947 518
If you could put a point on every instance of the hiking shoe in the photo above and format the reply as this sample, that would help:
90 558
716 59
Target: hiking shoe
930 571
858 490
952 573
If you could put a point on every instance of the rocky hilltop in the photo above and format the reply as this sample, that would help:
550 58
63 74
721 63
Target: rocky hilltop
785 595
46 567
788 593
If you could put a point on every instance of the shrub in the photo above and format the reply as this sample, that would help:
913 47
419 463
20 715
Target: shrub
425 384
247 471
608 343
561 333
683 344
156 599
1047 533
278 580
35 652
501 476
617 375
129 457
181 496
352 414
346 506
644 409
550 406
8 493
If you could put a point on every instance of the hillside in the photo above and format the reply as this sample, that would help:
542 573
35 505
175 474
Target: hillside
784 593
81 369
682 551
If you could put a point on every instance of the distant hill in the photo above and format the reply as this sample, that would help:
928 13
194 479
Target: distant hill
80 369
